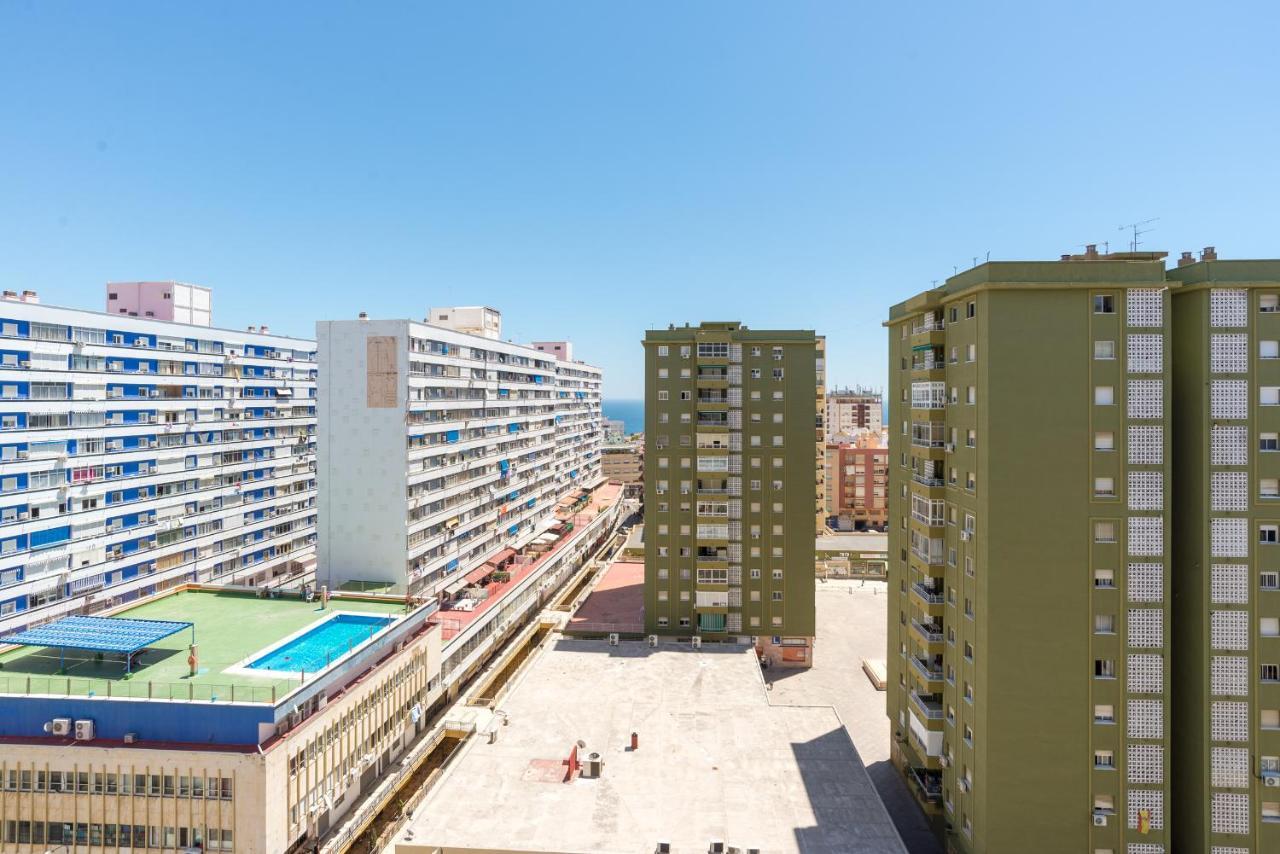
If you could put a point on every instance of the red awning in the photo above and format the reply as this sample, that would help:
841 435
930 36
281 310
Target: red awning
501 557
477 574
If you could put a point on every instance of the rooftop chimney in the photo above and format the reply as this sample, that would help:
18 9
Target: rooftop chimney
1065 257
1210 253
10 294
253 329
30 296
1091 251
364 315
1187 258
263 329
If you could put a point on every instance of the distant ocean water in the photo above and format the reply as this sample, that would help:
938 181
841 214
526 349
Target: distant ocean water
630 412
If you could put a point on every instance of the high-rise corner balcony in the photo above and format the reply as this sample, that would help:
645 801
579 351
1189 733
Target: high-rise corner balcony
928 596
929 671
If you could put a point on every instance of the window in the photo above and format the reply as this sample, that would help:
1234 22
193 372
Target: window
1104 759
1104 624
1104 349
662 373
1269 303
1269 487
1104 440
1268 534
1269 395
663 394
663 350
1270 673
1104 578
777 373
1104 395
1270 719
1104 304
1104 487
955 314
1269 580
972 395
1269 627
971 354
1104 668
971 310
1104 714
684 351
1269 349
1268 442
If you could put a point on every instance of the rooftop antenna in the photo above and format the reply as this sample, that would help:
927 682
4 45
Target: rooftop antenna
1138 231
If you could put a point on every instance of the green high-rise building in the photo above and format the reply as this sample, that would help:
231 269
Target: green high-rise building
1028 653
1226 567
733 438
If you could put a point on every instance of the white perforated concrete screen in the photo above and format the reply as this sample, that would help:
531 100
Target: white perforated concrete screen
1146 399
1146 763
1228 308
1229 584
1229 676
1145 307
1146 490
1229 537
1229 353
1146 582
1146 354
1146 628
1145 674
1146 445
1229 490
1229 767
1151 800
1229 813
1228 399
1229 630
1228 721
1228 445
1145 719
1146 535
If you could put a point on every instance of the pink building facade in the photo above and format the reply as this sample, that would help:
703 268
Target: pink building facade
175 301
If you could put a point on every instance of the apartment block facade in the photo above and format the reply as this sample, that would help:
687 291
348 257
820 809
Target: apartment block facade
733 444
438 448
850 411
856 486
1028 659
138 454
1226 650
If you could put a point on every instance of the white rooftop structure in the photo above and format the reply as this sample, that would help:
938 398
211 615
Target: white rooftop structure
715 762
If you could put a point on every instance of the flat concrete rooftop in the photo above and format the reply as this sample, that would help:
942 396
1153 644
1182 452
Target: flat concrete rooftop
616 604
715 760
228 628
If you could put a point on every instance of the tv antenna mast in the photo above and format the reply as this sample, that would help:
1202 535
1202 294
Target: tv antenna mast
1138 231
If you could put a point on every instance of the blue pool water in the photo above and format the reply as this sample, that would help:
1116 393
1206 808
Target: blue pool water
314 649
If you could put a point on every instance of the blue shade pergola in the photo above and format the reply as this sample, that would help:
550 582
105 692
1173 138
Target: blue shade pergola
100 634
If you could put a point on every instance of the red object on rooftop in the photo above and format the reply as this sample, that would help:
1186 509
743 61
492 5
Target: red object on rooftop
501 558
476 574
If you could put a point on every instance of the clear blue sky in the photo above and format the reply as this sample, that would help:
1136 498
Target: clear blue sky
595 168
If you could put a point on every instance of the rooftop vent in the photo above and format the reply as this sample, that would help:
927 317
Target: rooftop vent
1186 258
1209 253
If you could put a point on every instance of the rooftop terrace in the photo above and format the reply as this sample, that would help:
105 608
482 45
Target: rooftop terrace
229 628
715 761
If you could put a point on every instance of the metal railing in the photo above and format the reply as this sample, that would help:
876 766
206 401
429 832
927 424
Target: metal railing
927 595
928 632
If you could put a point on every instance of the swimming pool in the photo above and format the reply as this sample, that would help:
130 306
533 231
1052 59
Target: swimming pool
315 648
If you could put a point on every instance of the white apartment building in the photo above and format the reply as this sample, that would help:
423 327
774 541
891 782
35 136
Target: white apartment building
136 454
852 411
438 448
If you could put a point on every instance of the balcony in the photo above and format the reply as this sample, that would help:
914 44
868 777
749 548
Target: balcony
927 594
929 707
928 632
926 670
927 435
927 783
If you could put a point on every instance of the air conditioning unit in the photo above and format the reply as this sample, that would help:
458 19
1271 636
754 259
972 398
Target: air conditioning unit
662 847
716 846
950 447
613 639
84 730
1271 782
130 738
1099 820
697 642
965 536
653 640
59 726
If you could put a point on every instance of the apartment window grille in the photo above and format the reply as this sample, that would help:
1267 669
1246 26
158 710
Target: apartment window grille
1145 719
1151 800
1146 628
1228 399
1229 537
1146 535
1228 308
1145 763
1146 582
1229 676
1229 630
1146 445
1229 353
1268 580
1145 674
1229 584
1144 848
1146 399
1228 849
1146 490
1146 354
1229 767
1229 812
1229 490
1229 721
1144 307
